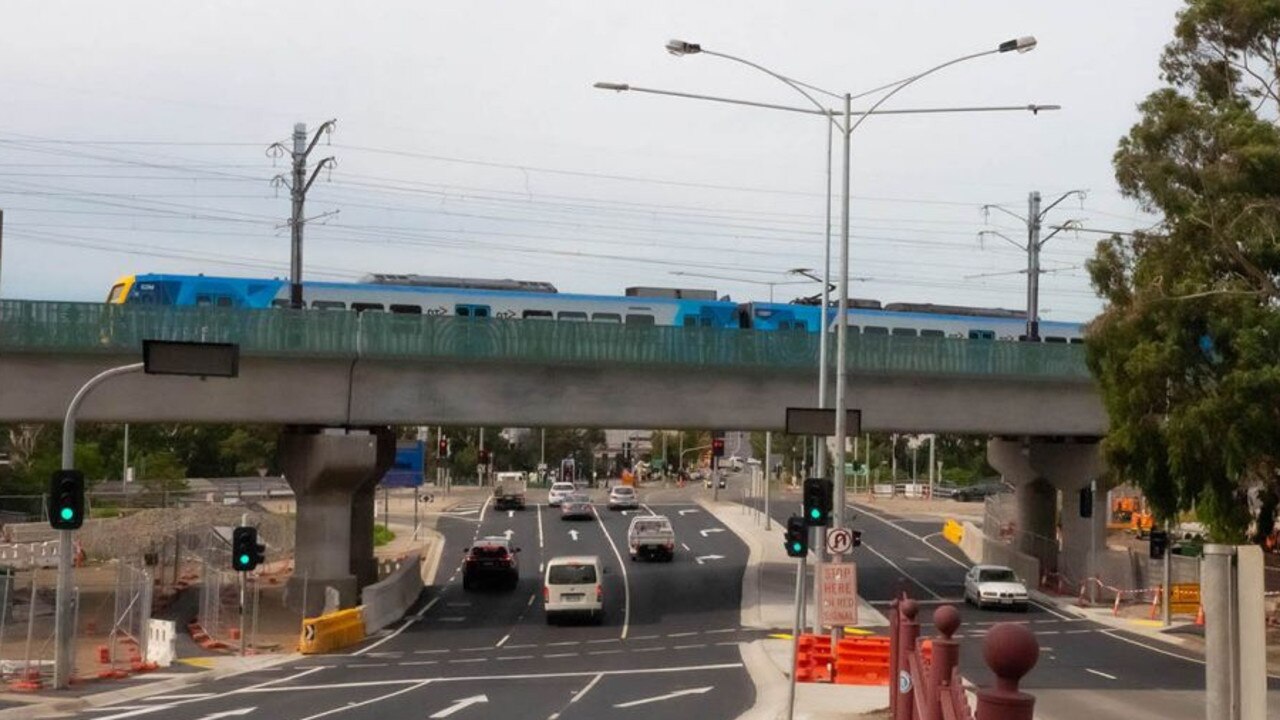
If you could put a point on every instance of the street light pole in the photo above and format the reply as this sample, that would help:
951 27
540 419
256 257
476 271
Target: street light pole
63 632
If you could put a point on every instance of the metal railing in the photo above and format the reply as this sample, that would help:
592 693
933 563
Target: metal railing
90 328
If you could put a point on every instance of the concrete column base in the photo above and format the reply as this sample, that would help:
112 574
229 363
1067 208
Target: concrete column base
325 468
364 504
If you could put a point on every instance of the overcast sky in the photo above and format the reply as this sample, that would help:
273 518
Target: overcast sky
470 142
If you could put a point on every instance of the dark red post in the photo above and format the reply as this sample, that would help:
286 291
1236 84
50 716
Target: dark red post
908 632
1010 651
946 655
893 657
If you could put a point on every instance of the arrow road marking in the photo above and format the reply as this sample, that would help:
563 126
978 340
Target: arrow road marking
511 513
660 698
509 532
700 558
574 534
460 704
686 512
708 531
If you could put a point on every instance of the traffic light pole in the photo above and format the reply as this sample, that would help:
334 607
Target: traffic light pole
63 632
796 628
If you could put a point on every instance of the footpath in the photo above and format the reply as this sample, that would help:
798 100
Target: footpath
768 603
189 671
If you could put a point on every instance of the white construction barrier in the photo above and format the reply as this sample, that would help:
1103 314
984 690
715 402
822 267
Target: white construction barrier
161 642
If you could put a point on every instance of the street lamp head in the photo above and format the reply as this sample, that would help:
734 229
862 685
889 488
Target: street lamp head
613 86
680 47
1027 43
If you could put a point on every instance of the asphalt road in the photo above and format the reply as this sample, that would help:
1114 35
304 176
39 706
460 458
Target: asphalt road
1085 668
667 644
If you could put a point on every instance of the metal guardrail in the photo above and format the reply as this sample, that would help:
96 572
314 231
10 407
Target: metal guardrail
91 328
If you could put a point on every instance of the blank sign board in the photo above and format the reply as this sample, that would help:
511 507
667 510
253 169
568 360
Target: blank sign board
162 357
822 421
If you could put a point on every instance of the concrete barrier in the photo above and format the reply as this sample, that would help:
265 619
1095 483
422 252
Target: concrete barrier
331 631
387 600
971 542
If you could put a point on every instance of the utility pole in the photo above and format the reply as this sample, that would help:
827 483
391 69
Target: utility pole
298 184
1034 221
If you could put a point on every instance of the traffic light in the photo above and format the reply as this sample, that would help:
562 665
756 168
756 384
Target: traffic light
66 499
817 501
717 447
857 538
1159 544
246 553
484 456
442 449
796 537
1086 502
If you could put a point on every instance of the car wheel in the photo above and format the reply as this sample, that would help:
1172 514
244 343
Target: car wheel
467 584
962 497
551 619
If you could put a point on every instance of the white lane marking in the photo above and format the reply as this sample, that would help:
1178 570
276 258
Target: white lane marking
901 529
428 652
420 662
370 701
702 558
467 660
511 514
185 696
604 652
603 640
453 618
686 512
135 711
1099 673
565 642
681 634
515 657
405 624
367 665
574 534
560 655
503 641
540 568
539 509
475 649
626 582
516 647
586 689
686 547
654 649
689 647
708 531
460 704
648 509
532 598
492 677
918 559
724 630
904 573
483 509
646 637
668 696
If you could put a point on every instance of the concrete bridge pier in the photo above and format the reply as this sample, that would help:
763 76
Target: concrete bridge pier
364 506
326 469
1071 467
1035 497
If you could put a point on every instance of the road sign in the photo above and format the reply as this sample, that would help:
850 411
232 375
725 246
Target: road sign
839 594
822 421
839 541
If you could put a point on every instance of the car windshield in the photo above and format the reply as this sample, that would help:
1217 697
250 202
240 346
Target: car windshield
572 574
997 575
645 526
579 499
563 487
624 491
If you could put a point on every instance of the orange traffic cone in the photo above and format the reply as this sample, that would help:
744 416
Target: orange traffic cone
1200 616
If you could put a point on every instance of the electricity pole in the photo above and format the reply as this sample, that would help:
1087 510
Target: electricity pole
1034 221
298 184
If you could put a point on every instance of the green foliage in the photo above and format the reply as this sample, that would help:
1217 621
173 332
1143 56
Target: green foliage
382 535
1186 349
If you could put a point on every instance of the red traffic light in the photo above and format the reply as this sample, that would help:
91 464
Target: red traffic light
717 447
443 448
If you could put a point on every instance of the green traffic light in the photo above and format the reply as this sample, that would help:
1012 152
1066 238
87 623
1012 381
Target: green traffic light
795 547
815 513
244 559
67 513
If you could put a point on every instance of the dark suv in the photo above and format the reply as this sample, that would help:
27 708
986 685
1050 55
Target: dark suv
491 559
980 490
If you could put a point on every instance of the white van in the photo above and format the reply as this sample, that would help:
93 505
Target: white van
574 585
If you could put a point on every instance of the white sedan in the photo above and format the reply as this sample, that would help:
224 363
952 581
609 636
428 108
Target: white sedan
995 586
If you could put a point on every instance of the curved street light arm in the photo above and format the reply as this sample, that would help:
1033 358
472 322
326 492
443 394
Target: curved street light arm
790 83
909 81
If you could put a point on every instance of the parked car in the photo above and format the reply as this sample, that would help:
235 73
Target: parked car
491 560
623 496
717 476
995 586
577 507
573 585
969 493
558 492
651 536
944 489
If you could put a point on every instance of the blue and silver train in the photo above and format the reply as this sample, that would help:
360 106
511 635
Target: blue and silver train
531 300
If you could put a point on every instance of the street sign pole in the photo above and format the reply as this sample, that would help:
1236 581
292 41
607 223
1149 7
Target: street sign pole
796 627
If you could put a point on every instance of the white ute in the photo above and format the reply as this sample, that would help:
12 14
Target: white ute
651 536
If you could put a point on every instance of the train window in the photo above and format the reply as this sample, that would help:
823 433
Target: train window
537 315
328 305
690 321
606 317
1076 341
480 311
366 307
638 319
932 333
223 301
982 335
116 292
1055 339
875 330
572 315
903 332
203 299
280 303
406 309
